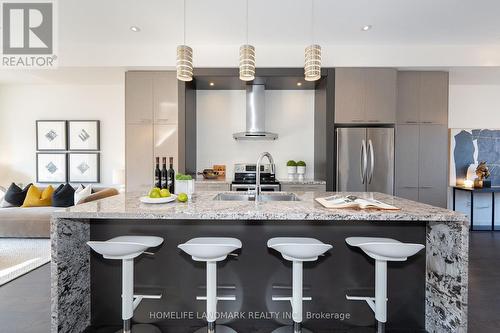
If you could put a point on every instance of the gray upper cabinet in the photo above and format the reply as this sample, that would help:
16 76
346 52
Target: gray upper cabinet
365 95
138 98
380 95
408 98
165 101
434 97
349 89
151 113
422 97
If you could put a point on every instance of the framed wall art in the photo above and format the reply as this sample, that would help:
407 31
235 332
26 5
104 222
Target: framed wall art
51 135
84 135
84 167
51 167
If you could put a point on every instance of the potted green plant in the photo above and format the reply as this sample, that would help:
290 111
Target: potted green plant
184 184
291 167
301 169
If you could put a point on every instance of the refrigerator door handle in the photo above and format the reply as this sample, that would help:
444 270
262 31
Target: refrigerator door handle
363 161
372 161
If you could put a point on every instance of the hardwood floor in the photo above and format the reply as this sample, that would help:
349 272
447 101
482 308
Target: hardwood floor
25 302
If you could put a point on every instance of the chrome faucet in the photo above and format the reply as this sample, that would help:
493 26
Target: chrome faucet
257 180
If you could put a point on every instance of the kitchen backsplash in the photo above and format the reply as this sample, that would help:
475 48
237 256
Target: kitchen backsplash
220 113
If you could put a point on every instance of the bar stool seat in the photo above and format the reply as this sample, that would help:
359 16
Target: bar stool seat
297 250
382 250
126 248
387 249
210 248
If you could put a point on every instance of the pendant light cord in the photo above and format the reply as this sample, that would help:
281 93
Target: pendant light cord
184 22
247 20
312 21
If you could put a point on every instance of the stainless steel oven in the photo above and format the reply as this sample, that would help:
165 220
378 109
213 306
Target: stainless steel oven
245 176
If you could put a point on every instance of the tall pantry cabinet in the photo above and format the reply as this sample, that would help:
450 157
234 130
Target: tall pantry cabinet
151 118
422 137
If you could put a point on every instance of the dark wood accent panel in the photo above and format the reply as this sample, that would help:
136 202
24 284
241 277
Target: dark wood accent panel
187 127
272 78
324 131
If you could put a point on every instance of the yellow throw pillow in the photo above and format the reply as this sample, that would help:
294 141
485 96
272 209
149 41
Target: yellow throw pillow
38 198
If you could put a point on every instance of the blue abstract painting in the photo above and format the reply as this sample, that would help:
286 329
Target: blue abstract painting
471 146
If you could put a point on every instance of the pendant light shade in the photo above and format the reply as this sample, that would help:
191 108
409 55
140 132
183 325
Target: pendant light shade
247 62
184 56
312 65
184 63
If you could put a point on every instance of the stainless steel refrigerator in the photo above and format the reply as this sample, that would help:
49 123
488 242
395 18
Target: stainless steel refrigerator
365 159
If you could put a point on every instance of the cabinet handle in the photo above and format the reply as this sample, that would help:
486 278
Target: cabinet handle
411 122
357 120
427 122
426 186
374 121
410 187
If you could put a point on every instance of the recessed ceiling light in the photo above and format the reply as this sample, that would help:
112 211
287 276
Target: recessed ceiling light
135 28
299 84
366 27
212 84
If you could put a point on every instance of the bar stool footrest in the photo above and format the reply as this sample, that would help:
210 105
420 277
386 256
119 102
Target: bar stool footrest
289 298
219 298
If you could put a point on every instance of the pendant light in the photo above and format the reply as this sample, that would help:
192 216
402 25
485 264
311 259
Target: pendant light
184 57
312 64
247 56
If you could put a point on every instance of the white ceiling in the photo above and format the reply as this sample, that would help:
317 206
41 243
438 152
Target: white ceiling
337 22
406 33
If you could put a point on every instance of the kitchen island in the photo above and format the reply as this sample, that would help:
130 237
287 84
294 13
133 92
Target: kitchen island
427 292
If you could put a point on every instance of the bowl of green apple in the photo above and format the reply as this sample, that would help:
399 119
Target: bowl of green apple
158 196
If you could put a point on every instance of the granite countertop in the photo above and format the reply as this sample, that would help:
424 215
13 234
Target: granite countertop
203 207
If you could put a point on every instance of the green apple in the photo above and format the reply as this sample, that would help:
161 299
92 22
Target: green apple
155 193
165 193
182 197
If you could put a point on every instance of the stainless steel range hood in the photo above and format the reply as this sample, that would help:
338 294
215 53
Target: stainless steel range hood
256 116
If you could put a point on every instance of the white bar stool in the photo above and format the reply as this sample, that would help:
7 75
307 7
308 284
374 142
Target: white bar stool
126 248
382 250
297 250
211 250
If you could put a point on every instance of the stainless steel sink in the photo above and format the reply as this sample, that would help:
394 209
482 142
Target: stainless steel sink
251 197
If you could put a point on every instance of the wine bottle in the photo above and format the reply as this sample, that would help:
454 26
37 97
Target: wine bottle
171 176
164 174
157 173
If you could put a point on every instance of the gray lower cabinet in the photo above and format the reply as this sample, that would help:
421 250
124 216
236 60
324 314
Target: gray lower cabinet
433 165
365 95
138 157
421 163
303 187
406 159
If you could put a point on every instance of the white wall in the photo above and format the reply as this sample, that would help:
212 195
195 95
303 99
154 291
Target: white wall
220 113
474 106
22 105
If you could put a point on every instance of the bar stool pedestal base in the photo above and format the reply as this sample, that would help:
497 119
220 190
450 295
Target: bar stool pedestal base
290 329
143 328
218 329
